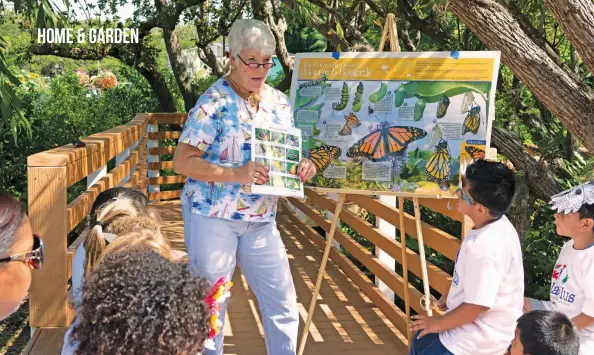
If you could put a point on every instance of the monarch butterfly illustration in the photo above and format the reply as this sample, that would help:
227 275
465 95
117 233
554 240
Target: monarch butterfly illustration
475 153
472 122
438 168
351 122
384 142
323 156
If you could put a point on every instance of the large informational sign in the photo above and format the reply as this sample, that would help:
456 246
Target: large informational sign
394 122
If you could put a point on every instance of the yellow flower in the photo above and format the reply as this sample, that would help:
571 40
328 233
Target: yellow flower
33 76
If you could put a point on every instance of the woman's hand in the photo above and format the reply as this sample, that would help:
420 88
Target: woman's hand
306 170
252 173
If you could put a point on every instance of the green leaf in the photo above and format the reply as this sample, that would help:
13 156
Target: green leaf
340 31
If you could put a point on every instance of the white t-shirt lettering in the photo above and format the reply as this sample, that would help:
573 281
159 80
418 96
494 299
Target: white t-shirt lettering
489 272
572 289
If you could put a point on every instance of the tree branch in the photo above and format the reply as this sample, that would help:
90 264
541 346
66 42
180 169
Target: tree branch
576 17
539 178
358 36
427 26
550 83
278 29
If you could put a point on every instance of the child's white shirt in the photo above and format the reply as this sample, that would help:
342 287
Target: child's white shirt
489 272
572 289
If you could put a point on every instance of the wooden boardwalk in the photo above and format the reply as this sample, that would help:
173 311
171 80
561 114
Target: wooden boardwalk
345 321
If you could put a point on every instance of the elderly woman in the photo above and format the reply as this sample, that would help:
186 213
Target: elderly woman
20 252
224 223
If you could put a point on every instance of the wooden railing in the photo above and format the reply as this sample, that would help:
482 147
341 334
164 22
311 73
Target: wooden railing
436 239
50 174
141 161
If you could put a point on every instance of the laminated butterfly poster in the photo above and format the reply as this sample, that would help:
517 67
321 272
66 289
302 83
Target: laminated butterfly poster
279 149
407 122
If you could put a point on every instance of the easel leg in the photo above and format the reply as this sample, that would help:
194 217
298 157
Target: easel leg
428 306
316 292
404 269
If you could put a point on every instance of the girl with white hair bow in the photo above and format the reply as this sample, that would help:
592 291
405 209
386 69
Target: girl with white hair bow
224 223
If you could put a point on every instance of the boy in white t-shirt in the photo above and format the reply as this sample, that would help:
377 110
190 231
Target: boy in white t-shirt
486 295
572 282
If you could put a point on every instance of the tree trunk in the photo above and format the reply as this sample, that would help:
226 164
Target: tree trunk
576 17
539 179
523 205
278 29
160 89
567 98
181 73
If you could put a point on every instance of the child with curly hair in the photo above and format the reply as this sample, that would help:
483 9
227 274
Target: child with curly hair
137 301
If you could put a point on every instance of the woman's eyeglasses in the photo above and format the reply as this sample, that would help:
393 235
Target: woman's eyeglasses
33 257
257 65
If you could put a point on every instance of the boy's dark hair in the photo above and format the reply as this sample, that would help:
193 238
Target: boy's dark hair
138 302
547 332
492 184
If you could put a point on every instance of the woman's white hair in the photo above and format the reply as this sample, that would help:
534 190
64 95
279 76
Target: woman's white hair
251 34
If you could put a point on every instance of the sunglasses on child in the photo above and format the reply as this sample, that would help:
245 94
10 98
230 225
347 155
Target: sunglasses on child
33 257
465 196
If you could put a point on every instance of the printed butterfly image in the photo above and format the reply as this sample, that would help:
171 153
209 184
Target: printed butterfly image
475 152
386 141
351 122
323 156
472 122
438 166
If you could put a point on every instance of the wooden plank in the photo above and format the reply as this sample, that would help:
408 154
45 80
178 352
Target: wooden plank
441 206
439 279
68 154
435 238
164 135
174 179
164 195
364 256
47 212
161 165
372 192
167 118
81 168
386 306
78 209
46 341
162 150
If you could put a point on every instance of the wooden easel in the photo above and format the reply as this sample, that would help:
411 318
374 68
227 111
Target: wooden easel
391 34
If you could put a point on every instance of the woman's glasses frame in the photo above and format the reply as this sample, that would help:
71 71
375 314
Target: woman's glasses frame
257 65
33 257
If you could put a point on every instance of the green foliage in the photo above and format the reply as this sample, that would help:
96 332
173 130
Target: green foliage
65 110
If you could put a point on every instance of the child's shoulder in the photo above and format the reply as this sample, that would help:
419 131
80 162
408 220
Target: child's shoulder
496 239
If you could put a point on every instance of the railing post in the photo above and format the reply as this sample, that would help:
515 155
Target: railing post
153 127
47 187
96 175
120 158
389 231
330 216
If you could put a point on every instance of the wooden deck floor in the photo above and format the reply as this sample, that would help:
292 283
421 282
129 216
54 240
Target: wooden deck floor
345 321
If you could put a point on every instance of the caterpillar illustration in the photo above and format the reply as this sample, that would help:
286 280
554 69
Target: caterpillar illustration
318 81
357 101
344 98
